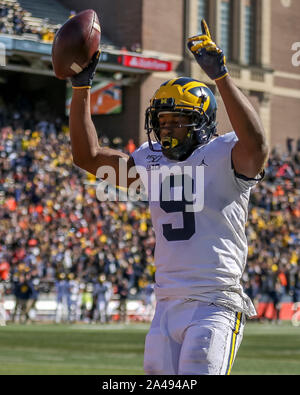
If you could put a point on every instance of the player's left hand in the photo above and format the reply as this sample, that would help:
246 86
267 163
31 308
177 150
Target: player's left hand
84 79
210 57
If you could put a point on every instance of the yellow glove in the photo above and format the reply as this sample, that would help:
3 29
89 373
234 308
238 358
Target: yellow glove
210 57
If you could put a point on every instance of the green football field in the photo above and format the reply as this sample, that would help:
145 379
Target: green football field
118 349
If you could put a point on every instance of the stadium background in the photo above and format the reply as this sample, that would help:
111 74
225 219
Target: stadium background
51 221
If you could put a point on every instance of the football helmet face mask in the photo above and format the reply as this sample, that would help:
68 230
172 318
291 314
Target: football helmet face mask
184 96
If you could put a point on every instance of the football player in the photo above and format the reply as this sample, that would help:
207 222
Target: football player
198 213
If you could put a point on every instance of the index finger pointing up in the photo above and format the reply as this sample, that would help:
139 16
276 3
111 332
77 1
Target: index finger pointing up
205 29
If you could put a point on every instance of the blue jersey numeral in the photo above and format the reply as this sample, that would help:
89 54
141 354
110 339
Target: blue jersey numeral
174 206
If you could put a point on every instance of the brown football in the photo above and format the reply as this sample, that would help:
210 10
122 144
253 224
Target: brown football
75 43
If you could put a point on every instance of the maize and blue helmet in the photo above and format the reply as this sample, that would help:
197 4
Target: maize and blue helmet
184 96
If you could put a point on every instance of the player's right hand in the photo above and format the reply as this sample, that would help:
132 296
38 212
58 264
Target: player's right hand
84 79
210 57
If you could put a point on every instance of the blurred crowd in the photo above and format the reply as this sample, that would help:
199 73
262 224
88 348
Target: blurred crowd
273 270
53 228
14 21
51 220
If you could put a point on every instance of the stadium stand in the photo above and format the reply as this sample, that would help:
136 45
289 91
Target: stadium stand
49 10
17 20
51 221
36 20
273 273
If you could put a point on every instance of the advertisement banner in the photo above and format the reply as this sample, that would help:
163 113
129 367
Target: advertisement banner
106 98
145 63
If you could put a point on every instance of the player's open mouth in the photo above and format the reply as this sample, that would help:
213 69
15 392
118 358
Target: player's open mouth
168 142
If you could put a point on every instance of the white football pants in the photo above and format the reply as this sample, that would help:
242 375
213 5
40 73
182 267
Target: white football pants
192 338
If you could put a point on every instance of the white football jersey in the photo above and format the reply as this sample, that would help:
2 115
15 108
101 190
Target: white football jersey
199 208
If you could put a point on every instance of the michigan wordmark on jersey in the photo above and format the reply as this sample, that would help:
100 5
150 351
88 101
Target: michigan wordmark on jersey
199 209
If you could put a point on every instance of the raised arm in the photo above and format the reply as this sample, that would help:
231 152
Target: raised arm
251 151
86 151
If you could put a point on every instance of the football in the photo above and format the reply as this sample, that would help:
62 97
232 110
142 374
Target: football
75 43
